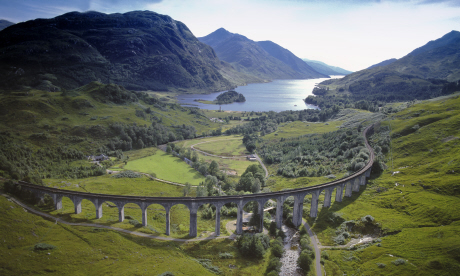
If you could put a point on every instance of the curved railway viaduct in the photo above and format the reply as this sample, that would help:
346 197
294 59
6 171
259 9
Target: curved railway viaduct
342 186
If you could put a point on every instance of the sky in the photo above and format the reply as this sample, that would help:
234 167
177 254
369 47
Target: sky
351 34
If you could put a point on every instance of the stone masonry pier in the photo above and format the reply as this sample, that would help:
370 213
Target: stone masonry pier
346 186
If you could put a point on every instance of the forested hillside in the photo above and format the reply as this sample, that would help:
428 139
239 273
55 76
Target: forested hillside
42 133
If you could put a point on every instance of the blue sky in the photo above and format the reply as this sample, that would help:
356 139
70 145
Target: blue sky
349 33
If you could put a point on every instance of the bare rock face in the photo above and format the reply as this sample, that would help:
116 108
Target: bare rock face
140 50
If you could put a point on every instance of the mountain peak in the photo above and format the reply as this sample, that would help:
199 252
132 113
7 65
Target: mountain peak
5 23
449 38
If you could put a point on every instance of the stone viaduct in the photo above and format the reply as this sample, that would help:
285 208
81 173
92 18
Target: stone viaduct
345 185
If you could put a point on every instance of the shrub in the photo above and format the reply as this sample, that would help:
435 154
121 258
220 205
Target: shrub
253 245
44 246
274 265
325 255
135 223
304 261
167 273
367 218
399 262
281 234
305 244
303 231
128 174
380 265
206 263
272 228
277 248
225 255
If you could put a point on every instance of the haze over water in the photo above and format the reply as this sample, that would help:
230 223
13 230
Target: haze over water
278 95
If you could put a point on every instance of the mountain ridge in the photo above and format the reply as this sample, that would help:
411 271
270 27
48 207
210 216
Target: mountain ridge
423 73
262 60
383 63
325 68
140 50
5 23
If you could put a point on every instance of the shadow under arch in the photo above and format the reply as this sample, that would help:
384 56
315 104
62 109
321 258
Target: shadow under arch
179 215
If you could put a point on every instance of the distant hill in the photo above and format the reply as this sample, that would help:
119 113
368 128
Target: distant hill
140 50
5 23
262 60
383 63
421 74
326 69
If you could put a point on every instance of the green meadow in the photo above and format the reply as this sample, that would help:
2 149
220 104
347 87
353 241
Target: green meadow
166 167
230 147
83 250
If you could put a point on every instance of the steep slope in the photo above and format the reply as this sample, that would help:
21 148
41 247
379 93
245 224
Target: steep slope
414 204
5 23
383 63
326 69
422 74
251 58
140 50
287 57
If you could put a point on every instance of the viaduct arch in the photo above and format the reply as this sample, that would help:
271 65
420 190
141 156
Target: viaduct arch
345 186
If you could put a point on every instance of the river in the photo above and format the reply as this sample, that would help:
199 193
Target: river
278 95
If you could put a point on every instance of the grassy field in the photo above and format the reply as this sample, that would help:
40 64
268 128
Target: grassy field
83 250
222 144
416 209
230 147
166 167
188 143
297 128
107 184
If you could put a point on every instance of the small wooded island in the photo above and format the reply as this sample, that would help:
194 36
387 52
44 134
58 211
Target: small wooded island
226 98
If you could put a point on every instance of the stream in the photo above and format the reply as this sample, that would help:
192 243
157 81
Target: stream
291 252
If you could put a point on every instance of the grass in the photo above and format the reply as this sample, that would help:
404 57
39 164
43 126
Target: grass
83 250
223 144
166 167
417 208
107 184
297 128
210 249
233 147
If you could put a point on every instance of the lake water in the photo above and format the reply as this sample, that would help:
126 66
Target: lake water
278 95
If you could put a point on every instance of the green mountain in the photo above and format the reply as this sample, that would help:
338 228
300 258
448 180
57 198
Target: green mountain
326 69
140 50
423 73
5 23
383 63
263 60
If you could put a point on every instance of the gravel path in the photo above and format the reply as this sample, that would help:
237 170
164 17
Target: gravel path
315 242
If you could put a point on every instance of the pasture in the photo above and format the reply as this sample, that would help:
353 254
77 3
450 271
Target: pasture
230 147
166 167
